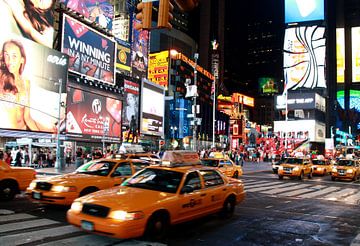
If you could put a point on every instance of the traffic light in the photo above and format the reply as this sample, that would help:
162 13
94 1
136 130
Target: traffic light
165 14
144 15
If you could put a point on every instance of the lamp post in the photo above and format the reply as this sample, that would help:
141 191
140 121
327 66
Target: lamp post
105 131
58 163
196 57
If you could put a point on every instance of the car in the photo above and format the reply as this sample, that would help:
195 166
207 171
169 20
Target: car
346 169
321 166
153 158
275 165
13 180
90 177
148 203
225 165
295 167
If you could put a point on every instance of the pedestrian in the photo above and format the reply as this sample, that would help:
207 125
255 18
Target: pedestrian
18 158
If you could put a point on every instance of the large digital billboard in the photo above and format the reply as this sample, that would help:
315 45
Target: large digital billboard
123 57
152 109
131 102
310 129
99 11
354 99
303 10
355 37
267 86
91 53
304 57
92 115
307 100
29 84
340 55
24 19
158 70
140 51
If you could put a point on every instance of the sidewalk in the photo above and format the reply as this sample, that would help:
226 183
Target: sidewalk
249 167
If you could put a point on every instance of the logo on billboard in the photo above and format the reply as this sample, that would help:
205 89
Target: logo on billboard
96 106
57 60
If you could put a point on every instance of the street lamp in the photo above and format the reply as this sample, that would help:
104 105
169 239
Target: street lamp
196 57
58 163
105 132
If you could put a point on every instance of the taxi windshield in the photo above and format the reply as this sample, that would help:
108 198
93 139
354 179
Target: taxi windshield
347 163
155 179
319 162
209 163
100 168
294 161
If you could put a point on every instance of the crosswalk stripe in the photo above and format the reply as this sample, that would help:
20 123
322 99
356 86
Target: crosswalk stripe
12 217
354 199
88 240
341 193
255 182
262 185
320 192
26 225
301 191
267 187
277 191
27 237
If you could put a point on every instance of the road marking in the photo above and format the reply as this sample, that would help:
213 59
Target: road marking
262 185
334 196
12 217
276 191
301 191
88 240
267 187
320 192
354 199
26 225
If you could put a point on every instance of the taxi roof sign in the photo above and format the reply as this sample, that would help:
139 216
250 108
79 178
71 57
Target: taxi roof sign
218 155
180 158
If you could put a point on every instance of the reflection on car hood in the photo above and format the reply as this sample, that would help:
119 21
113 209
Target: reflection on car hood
127 198
70 177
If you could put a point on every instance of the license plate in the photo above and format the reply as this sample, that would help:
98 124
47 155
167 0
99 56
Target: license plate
36 195
87 225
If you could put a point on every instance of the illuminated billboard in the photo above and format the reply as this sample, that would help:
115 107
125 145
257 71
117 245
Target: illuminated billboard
131 102
310 129
152 109
354 99
307 100
23 19
91 53
303 10
340 55
355 37
29 84
268 86
304 57
99 11
90 115
158 71
123 57
140 51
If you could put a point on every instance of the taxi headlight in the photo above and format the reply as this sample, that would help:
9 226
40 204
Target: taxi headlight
296 169
32 185
123 215
61 188
334 170
76 207
281 168
350 171
319 168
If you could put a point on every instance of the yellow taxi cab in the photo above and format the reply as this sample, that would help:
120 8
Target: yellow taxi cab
321 166
13 180
295 167
90 177
224 164
346 169
148 203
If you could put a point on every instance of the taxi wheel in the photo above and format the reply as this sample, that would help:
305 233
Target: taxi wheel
157 226
332 178
8 190
281 177
228 207
301 175
236 175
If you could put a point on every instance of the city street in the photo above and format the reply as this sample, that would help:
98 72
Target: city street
314 211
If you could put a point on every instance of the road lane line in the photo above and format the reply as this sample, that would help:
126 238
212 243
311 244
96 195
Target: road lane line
277 191
26 225
12 217
320 192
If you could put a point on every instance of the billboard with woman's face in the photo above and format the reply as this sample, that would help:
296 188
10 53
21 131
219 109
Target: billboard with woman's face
131 102
29 85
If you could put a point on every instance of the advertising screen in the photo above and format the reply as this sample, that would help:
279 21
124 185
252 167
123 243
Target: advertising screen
121 28
304 57
140 51
92 116
99 11
340 55
123 57
268 86
311 129
153 108
91 53
158 70
303 10
29 84
354 99
21 18
131 102
308 100
355 54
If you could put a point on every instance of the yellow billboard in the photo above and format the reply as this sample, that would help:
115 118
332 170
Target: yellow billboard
340 55
355 37
158 69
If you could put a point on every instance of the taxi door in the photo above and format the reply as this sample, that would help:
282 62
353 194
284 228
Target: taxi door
121 172
215 189
225 167
307 166
191 204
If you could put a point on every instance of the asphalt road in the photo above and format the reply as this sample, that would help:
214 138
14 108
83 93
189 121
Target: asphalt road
313 211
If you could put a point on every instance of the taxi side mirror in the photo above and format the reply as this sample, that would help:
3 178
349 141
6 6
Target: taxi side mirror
187 189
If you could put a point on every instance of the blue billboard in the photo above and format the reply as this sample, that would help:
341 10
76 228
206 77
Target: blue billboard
303 10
